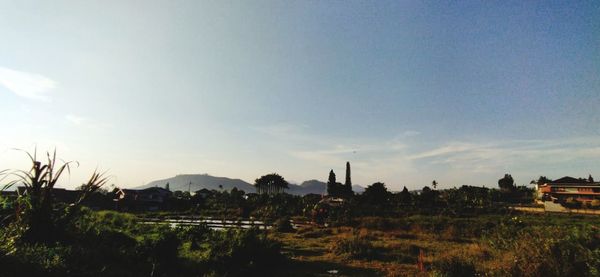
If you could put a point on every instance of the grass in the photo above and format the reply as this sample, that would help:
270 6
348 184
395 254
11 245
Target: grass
452 246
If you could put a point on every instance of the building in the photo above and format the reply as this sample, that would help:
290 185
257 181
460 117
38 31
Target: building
95 201
150 199
203 193
582 190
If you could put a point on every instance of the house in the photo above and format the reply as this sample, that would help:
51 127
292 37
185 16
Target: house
150 199
203 193
582 190
59 194
95 201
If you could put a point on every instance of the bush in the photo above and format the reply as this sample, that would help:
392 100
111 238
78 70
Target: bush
242 252
354 247
557 252
283 225
194 234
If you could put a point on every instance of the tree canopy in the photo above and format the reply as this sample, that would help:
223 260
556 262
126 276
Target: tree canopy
271 184
507 183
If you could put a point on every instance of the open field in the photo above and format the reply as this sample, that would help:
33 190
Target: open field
392 246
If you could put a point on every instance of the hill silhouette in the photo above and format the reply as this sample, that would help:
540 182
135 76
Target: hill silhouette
200 181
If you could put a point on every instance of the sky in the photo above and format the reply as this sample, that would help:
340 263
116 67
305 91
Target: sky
407 91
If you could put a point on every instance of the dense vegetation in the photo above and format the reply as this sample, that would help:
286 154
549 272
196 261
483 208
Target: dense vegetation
41 237
466 231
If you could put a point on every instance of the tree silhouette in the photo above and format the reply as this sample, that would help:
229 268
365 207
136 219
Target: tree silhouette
427 196
507 183
434 184
347 189
271 184
376 193
331 184
167 187
348 178
541 180
405 197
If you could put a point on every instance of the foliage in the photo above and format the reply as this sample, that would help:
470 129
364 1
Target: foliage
242 252
270 184
337 189
507 183
356 246
556 252
283 225
376 194
36 211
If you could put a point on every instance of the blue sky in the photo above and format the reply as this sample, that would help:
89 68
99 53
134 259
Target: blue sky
407 91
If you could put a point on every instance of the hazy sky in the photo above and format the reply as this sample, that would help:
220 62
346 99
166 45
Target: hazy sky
407 91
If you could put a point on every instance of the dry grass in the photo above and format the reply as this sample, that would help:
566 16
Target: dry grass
397 250
447 246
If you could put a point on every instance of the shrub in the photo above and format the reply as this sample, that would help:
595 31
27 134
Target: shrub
161 250
36 260
194 234
557 252
283 225
242 252
354 247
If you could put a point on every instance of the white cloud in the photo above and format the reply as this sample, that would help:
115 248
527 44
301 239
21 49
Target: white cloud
24 84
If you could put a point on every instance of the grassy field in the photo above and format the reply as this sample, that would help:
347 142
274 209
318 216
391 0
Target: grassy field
453 246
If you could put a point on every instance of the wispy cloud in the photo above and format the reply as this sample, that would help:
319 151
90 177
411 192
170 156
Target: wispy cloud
525 154
25 84
400 160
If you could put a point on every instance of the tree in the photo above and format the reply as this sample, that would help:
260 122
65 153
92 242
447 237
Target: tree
271 184
434 184
332 185
427 196
348 183
541 180
167 187
376 193
590 178
507 183
405 196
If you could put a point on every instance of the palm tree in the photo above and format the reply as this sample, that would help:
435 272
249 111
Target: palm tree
271 184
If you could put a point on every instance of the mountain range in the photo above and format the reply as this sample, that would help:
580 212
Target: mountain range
195 182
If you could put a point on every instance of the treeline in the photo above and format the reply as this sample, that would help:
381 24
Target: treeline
40 236
376 200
